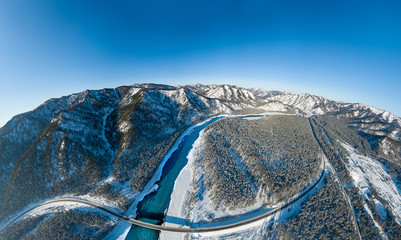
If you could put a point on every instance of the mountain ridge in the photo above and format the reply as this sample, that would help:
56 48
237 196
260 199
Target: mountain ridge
106 144
258 92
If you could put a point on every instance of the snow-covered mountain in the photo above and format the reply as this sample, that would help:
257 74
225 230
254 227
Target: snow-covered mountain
96 131
105 145
223 92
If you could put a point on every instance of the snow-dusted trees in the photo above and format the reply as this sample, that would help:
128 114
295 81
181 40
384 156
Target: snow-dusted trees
324 215
70 224
329 132
272 157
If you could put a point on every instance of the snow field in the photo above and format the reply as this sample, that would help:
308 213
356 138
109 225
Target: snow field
368 173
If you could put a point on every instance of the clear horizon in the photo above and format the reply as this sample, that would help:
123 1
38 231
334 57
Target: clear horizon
342 50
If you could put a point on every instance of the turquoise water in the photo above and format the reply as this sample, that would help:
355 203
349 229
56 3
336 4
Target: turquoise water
152 207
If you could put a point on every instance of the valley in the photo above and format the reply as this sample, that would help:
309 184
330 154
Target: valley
209 161
155 209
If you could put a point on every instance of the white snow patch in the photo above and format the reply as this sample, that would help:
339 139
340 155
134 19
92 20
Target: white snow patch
367 172
62 144
179 96
274 106
386 147
252 118
124 127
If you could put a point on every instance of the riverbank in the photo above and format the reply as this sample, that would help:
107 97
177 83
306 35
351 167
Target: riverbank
121 230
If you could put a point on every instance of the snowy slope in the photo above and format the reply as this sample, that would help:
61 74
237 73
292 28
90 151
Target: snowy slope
106 145
368 174
224 92
100 144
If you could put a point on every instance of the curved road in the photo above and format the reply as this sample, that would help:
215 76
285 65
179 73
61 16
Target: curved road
178 229
185 229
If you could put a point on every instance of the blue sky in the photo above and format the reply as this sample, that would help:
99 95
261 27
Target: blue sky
342 50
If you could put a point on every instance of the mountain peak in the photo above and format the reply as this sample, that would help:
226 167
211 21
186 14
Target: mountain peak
107 145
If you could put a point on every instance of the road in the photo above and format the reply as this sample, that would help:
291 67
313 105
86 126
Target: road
182 229
341 185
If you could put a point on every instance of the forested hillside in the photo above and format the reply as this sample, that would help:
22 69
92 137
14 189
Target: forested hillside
106 145
255 163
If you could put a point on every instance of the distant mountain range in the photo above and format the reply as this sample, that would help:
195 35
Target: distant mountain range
105 145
